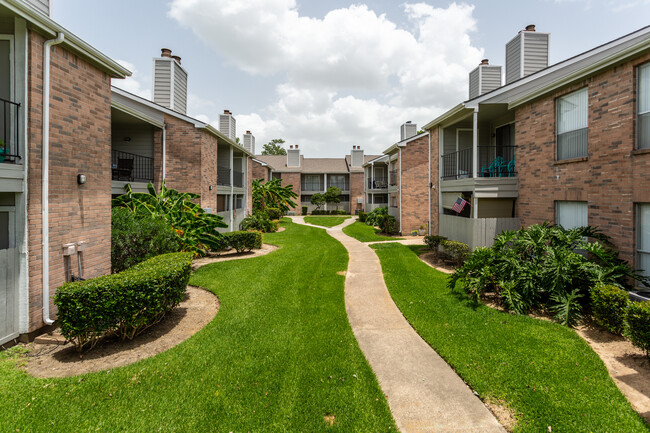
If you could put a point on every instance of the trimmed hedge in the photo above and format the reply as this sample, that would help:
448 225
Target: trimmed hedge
304 210
609 305
363 216
244 240
258 221
433 241
329 212
458 251
638 325
125 303
274 213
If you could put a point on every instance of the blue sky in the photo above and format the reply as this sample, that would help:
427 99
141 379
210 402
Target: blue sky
330 75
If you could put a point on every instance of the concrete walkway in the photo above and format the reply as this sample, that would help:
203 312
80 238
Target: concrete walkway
424 393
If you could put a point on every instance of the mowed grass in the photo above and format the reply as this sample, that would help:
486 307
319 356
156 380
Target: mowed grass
364 233
545 373
279 356
326 221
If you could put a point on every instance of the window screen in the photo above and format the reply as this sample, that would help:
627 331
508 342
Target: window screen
572 125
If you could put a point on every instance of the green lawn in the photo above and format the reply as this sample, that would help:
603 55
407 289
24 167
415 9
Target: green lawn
326 221
278 357
543 371
365 233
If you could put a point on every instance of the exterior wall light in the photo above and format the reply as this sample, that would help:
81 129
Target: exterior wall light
81 179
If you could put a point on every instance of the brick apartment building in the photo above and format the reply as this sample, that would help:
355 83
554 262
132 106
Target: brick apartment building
314 175
35 226
567 143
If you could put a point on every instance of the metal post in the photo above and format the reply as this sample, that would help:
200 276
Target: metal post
475 144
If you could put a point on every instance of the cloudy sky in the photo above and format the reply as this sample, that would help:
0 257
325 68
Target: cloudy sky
328 75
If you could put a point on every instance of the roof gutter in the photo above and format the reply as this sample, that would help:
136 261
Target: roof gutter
45 173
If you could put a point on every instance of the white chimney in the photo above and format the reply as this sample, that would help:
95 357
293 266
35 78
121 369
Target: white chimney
293 156
170 82
526 53
484 78
356 156
228 125
249 142
42 5
408 130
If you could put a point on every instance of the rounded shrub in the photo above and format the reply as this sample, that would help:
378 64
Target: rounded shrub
609 305
274 213
259 221
638 325
243 241
137 237
458 251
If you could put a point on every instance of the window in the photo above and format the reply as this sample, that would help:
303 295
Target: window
393 200
571 214
339 181
643 109
239 201
311 182
643 241
223 203
572 125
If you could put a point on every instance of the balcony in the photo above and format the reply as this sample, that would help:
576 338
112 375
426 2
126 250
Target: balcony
493 162
9 129
393 178
131 167
343 186
223 176
311 186
238 178
378 183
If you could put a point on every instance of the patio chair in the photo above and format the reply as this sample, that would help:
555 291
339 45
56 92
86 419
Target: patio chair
124 170
495 167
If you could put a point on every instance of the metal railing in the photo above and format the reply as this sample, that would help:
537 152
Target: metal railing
131 167
339 185
393 178
378 183
223 176
493 161
237 178
9 131
312 186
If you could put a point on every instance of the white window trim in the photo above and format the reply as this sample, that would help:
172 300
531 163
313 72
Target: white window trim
557 114
637 226
638 102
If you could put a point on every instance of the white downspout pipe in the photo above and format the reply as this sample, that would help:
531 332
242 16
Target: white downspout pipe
400 190
232 191
45 202
475 158
430 185
164 151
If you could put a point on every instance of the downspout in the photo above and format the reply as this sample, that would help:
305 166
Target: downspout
400 190
45 203
430 185
164 150
232 191
475 159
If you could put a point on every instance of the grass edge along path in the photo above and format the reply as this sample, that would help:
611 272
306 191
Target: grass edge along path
326 221
365 233
541 371
280 356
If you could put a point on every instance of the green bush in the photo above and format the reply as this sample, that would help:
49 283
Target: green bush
388 224
545 267
274 213
363 216
329 212
609 305
125 303
458 251
259 221
433 241
304 210
638 325
138 237
375 217
244 240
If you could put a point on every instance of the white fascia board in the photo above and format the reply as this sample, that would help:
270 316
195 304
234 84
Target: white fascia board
44 23
445 116
565 79
214 131
137 114
382 158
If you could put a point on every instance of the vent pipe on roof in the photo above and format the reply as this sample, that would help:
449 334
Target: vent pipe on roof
177 58
408 130
526 53
484 78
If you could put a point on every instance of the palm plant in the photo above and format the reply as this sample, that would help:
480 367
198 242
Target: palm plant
197 229
272 194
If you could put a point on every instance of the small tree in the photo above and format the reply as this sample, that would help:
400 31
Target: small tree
318 200
332 196
274 147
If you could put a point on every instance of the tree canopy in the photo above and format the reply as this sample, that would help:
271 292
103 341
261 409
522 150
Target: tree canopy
273 194
274 147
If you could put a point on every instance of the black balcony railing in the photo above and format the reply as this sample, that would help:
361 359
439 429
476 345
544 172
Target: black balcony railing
9 131
378 183
393 178
312 186
223 176
238 178
131 167
339 185
493 161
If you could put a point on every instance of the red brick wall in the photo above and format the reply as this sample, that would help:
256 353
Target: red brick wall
259 171
157 158
208 163
356 191
415 184
613 176
249 181
80 142
293 179
183 148
435 210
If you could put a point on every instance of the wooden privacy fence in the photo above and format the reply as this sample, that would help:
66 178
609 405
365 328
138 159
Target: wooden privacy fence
479 232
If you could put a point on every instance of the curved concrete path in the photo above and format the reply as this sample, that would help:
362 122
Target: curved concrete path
424 393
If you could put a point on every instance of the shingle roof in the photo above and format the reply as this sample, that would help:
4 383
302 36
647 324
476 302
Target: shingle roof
312 165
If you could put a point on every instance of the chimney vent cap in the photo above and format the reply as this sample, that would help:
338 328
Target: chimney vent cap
485 62
530 28
165 52
226 112
177 58
248 132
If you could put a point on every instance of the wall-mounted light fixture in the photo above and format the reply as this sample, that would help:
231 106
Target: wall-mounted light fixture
81 179
210 187
127 138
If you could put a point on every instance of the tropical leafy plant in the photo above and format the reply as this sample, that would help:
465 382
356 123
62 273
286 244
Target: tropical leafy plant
374 218
545 267
196 229
272 194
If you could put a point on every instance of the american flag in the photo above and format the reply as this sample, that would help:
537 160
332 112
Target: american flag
459 205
